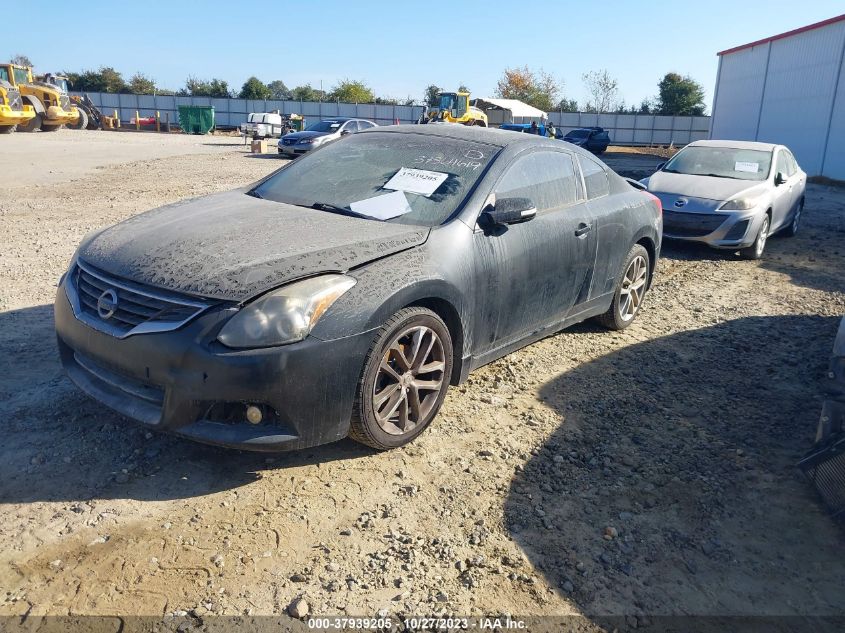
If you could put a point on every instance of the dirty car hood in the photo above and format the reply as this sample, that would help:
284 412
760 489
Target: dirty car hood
232 246
706 187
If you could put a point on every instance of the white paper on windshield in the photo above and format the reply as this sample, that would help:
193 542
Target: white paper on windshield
745 166
390 205
419 181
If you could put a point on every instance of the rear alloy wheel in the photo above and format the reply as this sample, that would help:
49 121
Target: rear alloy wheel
405 379
755 251
630 290
30 126
792 229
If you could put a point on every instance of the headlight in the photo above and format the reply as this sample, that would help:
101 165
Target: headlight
285 315
740 204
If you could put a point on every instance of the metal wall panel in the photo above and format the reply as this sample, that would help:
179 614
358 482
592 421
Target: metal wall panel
739 93
833 164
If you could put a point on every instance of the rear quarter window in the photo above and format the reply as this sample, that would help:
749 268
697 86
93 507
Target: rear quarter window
595 178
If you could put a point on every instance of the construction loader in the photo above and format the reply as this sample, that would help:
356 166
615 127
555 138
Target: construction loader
453 107
12 109
52 107
90 117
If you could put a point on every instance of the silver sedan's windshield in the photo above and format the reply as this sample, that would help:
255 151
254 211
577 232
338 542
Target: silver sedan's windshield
403 178
323 126
722 162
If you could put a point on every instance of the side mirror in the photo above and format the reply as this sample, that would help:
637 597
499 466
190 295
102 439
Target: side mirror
511 211
345 132
661 165
779 179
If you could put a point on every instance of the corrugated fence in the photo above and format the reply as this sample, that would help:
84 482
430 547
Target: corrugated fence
624 129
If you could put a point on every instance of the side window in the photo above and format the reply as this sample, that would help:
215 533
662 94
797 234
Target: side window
790 163
351 126
363 125
595 178
783 164
547 178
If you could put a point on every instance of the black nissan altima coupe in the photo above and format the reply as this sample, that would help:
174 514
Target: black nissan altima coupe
343 294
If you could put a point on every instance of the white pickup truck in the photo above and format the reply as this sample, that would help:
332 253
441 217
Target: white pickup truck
265 125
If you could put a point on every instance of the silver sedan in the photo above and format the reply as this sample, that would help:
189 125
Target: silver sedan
730 194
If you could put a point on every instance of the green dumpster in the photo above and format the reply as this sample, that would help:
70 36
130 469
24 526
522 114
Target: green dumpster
196 119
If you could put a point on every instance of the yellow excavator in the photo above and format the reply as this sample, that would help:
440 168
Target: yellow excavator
52 106
13 112
454 107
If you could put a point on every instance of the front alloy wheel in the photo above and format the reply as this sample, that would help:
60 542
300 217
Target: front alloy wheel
404 381
755 251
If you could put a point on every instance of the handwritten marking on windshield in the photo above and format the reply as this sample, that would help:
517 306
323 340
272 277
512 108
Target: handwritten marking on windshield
447 162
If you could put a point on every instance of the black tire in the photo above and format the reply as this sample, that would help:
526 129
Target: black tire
81 122
30 126
792 229
392 339
7 129
628 295
755 251
49 128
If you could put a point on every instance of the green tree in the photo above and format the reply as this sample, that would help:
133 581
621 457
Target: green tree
682 96
567 105
201 88
306 93
140 84
254 88
431 93
349 91
463 88
106 79
603 90
278 90
536 88
21 60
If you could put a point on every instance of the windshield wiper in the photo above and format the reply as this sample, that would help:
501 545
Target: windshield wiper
333 208
720 176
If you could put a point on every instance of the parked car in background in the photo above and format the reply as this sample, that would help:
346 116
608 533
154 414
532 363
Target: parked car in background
594 139
539 129
344 293
730 194
321 133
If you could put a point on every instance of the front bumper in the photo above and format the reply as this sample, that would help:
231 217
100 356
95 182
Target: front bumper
295 150
718 229
173 381
56 115
8 116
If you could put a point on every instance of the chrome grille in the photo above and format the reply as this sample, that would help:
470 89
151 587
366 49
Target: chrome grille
138 309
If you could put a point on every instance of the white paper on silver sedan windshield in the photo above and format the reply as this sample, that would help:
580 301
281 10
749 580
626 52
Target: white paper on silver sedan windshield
419 181
751 168
390 205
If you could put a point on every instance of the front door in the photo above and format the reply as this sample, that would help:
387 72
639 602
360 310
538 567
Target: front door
531 274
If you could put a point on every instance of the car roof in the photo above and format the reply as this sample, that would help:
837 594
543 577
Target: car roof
491 136
766 147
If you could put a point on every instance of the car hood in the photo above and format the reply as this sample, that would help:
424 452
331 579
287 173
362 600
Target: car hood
232 246
706 187
305 134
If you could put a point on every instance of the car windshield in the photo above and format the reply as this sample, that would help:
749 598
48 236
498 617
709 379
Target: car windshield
578 134
722 162
404 178
324 126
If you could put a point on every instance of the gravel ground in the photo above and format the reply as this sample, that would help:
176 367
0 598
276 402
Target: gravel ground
638 473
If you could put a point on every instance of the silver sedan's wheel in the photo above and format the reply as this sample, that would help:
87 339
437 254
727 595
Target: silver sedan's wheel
755 251
404 381
409 380
633 288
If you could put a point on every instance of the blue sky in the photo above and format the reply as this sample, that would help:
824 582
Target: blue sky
398 47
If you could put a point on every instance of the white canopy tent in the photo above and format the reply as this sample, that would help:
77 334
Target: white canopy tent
509 111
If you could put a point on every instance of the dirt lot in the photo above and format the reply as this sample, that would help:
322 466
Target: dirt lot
646 472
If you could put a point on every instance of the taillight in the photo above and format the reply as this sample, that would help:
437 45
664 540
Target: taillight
656 201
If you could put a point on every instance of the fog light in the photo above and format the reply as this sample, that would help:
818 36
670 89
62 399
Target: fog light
253 414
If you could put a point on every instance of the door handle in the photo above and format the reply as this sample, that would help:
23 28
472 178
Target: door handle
583 229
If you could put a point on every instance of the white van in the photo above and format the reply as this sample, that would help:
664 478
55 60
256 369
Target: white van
264 125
